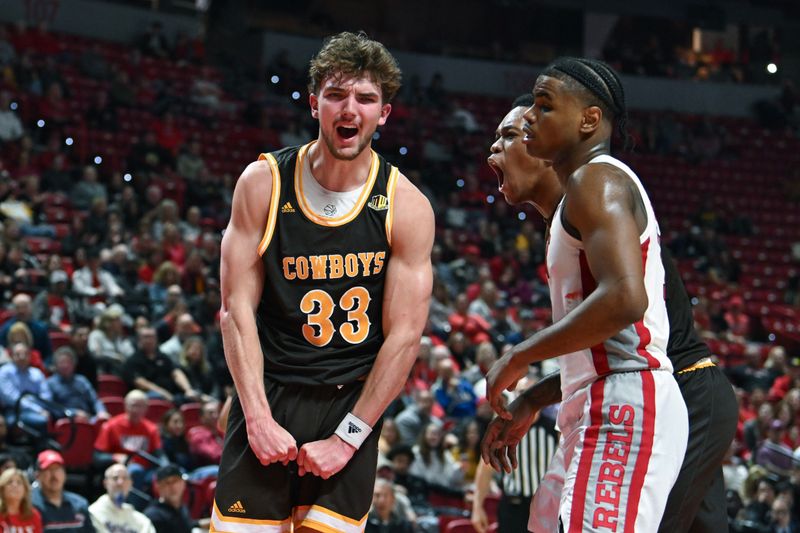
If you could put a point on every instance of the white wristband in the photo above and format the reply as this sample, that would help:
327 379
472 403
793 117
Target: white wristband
353 430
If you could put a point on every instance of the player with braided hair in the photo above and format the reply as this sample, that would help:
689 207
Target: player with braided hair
622 418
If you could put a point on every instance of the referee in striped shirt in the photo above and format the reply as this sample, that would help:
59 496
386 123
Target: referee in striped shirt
534 452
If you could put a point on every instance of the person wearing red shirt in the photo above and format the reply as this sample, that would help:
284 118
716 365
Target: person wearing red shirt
17 514
205 440
128 435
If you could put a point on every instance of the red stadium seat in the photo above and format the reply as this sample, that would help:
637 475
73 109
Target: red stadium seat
191 414
77 442
115 405
461 525
111 385
156 409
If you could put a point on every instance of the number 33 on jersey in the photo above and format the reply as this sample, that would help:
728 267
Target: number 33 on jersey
321 309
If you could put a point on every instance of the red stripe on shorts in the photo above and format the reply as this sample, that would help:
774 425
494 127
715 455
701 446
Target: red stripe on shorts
641 329
645 449
587 456
588 285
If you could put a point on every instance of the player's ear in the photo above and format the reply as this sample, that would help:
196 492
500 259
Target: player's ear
385 110
591 119
313 101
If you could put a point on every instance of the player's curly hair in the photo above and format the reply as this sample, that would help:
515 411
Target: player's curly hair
355 54
598 84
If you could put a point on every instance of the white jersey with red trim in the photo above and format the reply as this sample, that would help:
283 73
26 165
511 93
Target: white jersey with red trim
638 346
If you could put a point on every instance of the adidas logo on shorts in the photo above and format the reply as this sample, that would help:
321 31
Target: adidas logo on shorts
237 507
352 428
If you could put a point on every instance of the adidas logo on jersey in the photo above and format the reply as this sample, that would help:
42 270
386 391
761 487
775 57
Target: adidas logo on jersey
379 203
236 507
287 208
352 428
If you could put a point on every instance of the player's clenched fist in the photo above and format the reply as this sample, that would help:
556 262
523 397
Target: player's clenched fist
324 458
271 443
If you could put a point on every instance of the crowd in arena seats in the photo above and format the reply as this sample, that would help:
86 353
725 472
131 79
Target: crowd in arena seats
114 192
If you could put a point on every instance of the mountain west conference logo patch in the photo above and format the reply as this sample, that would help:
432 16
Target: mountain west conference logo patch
379 203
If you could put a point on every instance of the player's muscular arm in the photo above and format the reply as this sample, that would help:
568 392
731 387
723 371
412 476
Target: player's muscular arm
242 280
600 206
409 280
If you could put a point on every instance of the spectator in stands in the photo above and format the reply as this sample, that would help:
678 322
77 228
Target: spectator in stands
185 327
432 463
413 419
209 247
781 514
86 365
87 189
55 306
110 513
124 437
73 391
122 91
18 378
98 221
53 108
154 43
108 342
390 437
468 451
23 312
194 278
738 321
755 430
415 487
195 365
102 114
21 333
382 517
471 325
454 393
8 54
773 454
10 125
191 228
751 374
205 439
92 281
757 510
791 379
155 373
205 91
165 277
173 439
204 307
293 134
168 513
168 134
147 156
461 349
16 511
190 161
61 510
173 245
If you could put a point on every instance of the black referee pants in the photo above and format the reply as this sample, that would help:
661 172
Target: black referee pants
512 514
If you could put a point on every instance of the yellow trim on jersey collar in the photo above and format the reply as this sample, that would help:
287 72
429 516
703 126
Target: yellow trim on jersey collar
348 217
390 190
272 216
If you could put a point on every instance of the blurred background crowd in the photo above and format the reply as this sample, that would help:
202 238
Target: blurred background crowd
117 165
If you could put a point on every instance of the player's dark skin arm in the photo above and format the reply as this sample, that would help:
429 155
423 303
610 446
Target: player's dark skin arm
602 208
499 444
